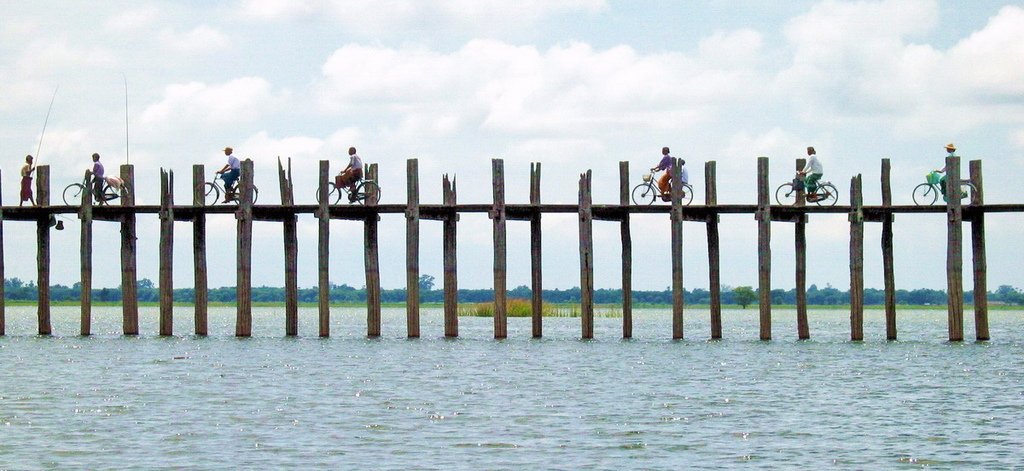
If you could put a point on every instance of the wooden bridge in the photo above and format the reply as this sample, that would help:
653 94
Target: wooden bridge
500 213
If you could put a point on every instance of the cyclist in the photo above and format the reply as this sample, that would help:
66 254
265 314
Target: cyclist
230 173
811 173
97 178
351 174
665 182
951 150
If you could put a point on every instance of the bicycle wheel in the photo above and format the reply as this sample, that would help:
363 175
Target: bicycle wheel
925 195
109 193
125 191
366 191
785 194
73 194
687 194
828 195
966 190
255 194
330 194
644 194
211 194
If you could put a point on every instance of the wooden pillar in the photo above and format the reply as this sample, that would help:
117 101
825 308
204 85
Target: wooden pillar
372 262
676 220
451 279
498 218
800 235
888 274
856 218
202 293
129 274
764 250
586 257
43 250
166 252
3 305
714 255
954 251
85 298
627 253
291 251
243 288
537 293
412 249
978 251
323 253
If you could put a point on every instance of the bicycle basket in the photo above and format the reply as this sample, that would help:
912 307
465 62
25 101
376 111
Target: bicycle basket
647 177
933 178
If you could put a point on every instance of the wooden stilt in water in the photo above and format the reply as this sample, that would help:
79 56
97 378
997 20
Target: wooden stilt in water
888 274
586 258
323 253
129 274
627 253
291 251
3 304
43 250
954 251
166 252
412 249
537 293
856 218
199 249
800 236
451 279
764 250
714 255
978 252
372 262
676 220
85 299
498 218
243 289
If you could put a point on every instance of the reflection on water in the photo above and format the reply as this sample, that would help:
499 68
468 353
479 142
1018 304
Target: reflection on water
183 402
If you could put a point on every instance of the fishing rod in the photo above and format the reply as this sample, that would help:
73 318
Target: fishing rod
47 120
126 159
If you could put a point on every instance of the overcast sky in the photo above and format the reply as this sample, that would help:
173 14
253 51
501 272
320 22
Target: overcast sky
573 84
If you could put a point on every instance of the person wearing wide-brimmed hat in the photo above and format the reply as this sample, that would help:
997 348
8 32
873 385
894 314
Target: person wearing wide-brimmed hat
951 150
230 173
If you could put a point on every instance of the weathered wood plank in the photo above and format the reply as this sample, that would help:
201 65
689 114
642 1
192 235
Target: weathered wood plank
627 253
323 253
85 298
954 251
498 219
371 258
129 273
536 281
202 292
586 258
243 288
764 250
412 249
803 330
291 251
676 221
714 253
43 251
888 267
978 252
856 218
166 278
451 279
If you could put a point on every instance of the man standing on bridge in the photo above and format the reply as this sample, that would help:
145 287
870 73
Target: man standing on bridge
97 178
26 181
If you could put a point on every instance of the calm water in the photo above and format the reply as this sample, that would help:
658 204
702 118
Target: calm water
475 403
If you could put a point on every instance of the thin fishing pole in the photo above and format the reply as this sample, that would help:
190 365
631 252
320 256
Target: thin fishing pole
126 159
47 120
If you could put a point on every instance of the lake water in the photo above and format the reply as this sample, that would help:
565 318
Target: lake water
347 402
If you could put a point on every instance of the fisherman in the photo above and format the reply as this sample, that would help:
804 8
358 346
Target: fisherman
26 181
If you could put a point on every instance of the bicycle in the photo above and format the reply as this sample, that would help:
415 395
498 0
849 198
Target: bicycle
927 193
364 190
825 194
646 192
213 190
72 194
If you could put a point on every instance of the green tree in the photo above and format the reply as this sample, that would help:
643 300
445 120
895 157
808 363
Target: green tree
426 283
743 295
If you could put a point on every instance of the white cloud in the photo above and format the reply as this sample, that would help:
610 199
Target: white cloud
201 39
132 20
243 99
43 57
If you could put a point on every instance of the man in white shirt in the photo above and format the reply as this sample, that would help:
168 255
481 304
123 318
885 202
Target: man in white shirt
351 175
230 173
811 173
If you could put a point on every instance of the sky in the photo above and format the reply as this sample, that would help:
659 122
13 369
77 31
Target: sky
576 85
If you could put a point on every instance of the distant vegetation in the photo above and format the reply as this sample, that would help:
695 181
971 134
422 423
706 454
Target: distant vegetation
15 289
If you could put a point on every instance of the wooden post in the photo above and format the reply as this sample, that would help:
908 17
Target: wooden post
627 253
676 220
714 256
954 251
3 306
764 250
371 262
43 250
537 293
166 252
978 251
498 217
202 292
243 288
323 253
887 255
412 249
856 218
800 236
291 251
129 275
85 214
451 279
586 257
